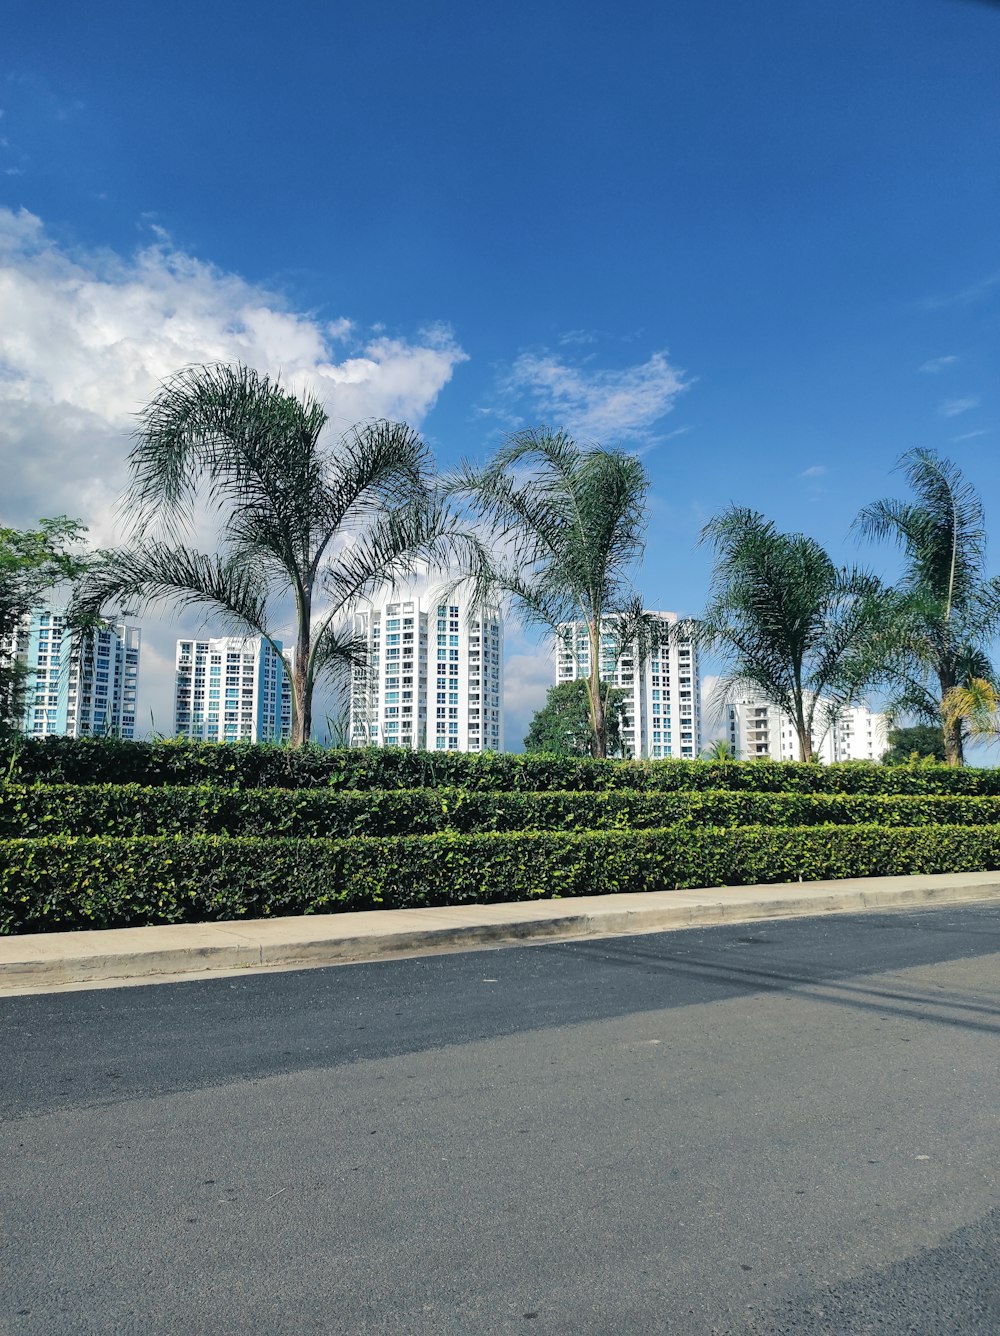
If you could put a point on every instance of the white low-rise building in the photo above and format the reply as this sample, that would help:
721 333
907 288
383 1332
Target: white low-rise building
662 690
757 730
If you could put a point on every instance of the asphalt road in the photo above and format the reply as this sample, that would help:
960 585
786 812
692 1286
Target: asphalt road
789 1127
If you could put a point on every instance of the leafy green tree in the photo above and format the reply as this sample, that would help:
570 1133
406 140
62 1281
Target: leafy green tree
568 526
916 740
791 627
32 563
945 611
306 530
563 725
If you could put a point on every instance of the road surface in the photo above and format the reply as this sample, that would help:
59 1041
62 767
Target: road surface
786 1127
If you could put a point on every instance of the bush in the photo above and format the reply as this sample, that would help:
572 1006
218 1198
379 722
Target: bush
110 761
126 810
48 884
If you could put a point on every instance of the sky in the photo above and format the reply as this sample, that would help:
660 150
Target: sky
755 242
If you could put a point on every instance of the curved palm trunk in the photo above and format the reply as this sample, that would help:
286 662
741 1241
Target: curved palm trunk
954 744
803 732
301 705
301 680
598 721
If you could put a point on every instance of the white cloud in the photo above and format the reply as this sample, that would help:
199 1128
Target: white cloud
712 714
578 336
529 671
936 364
971 435
594 403
954 407
85 339
814 471
973 293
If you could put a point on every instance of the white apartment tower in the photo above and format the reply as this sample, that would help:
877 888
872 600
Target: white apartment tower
76 690
433 676
757 730
662 692
231 689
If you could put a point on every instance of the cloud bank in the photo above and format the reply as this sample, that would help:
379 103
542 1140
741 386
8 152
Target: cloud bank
594 403
86 337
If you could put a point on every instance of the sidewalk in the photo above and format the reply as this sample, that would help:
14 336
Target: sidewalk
45 961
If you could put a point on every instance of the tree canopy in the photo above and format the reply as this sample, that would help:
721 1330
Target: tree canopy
791 627
32 563
567 525
921 740
562 727
946 611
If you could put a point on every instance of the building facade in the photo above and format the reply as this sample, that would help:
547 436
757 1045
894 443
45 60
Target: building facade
433 676
662 691
76 690
759 731
231 689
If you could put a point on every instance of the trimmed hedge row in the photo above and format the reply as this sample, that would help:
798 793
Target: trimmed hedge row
130 809
109 761
69 883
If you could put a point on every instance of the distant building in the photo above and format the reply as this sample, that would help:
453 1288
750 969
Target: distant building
860 734
231 689
758 730
76 690
433 676
662 693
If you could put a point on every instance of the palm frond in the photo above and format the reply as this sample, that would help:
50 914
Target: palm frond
229 431
942 532
232 589
424 539
574 518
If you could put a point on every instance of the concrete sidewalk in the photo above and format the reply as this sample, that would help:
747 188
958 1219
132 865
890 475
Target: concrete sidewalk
43 961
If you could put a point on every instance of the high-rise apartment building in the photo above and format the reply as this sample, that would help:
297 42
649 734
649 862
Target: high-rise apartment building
662 690
231 689
433 676
757 730
76 689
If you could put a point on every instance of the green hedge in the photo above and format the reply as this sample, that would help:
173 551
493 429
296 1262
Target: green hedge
126 810
90 761
67 883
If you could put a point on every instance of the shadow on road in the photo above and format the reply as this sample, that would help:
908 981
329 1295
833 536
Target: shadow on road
910 1002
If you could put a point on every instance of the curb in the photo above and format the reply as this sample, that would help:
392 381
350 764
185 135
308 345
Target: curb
51 960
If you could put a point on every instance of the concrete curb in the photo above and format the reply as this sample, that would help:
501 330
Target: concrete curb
51 960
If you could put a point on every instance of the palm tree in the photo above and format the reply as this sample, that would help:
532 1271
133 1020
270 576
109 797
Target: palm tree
975 709
721 751
301 525
569 525
791 626
946 610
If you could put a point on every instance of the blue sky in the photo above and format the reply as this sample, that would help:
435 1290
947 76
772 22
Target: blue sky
758 242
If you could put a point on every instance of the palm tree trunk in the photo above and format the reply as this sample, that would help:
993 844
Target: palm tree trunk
954 748
598 722
802 732
301 681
